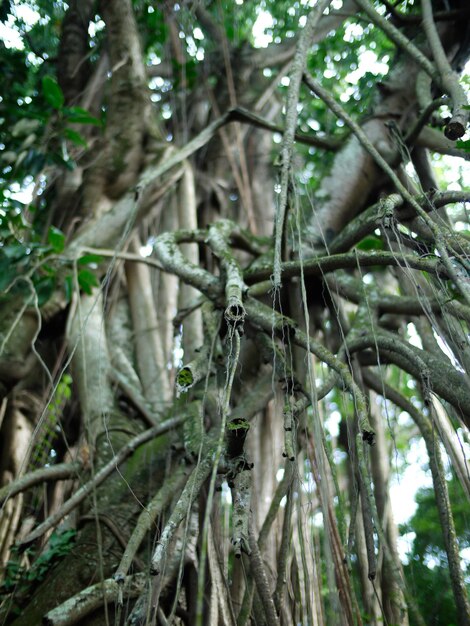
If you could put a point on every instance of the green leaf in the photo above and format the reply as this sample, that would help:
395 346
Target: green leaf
370 243
52 92
87 280
87 259
68 288
56 239
7 274
464 145
44 289
77 139
77 115
15 251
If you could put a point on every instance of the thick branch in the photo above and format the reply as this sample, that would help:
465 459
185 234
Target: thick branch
45 474
129 103
91 598
398 38
436 373
72 62
318 266
456 127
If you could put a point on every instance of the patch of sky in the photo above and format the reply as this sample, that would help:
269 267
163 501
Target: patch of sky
95 27
263 22
403 486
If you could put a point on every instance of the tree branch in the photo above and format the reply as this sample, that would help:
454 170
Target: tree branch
298 67
101 476
398 38
449 80
60 471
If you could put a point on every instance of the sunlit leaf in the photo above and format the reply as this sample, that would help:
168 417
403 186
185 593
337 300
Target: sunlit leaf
56 239
87 280
87 259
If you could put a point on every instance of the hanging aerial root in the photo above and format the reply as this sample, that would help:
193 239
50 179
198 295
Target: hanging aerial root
181 510
270 321
147 519
290 432
298 66
372 507
241 495
446 519
218 240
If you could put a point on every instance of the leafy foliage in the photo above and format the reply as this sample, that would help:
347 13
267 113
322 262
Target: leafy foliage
427 569
23 579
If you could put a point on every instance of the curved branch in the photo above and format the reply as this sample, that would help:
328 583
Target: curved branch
318 266
60 471
352 289
91 598
436 374
398 38
101 476
440 489
449 80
